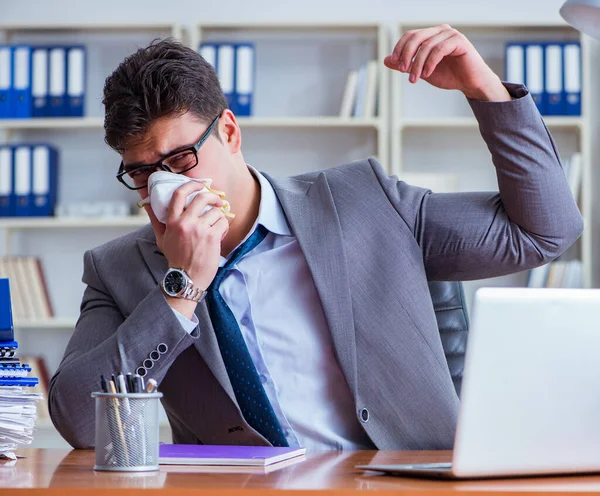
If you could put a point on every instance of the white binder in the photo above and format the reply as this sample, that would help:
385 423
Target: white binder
58 83
534 73
22 174
554 79
244 79
208 52
515 64
39 85
226 72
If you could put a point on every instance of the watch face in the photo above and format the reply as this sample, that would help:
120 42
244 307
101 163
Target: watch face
174 282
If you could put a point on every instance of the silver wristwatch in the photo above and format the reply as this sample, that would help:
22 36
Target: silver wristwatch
178 284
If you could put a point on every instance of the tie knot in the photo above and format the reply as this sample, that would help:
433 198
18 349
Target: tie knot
252 242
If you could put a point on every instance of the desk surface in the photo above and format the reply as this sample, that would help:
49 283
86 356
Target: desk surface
64 472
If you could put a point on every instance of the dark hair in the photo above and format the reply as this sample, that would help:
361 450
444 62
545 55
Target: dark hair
164 79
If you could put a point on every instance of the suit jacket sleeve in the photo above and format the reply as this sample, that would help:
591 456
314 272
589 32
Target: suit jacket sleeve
532 220
105 342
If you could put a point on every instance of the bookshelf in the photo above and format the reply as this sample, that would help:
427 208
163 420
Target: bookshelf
434 132
87 167
310 62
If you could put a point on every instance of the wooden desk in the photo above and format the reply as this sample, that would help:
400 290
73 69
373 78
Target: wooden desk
63 472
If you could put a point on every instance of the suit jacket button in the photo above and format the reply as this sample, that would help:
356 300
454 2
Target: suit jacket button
364 415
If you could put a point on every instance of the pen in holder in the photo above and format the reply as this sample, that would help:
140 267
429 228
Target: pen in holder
127 431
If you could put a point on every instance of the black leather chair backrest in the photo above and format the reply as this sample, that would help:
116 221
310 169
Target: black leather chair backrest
453 322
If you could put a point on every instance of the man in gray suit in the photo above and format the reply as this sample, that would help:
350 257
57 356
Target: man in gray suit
307 319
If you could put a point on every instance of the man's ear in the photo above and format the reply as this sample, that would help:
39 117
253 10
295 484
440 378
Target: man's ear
229 131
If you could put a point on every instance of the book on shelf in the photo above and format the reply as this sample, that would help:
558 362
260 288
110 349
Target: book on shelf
29 291
557 274
349 95
573 168
360 94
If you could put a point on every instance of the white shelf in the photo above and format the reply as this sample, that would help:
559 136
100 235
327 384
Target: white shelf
53 123
471 122
307 122
304 26
21 223
91 26
54 323
498 25
244 122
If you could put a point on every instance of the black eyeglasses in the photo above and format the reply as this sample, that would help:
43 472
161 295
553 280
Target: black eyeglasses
136 176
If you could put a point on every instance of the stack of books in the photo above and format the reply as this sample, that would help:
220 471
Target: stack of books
30 297
17 401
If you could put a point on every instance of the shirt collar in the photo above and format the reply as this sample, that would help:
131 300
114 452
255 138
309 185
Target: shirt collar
270 213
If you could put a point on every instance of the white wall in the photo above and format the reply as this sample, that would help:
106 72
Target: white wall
237 10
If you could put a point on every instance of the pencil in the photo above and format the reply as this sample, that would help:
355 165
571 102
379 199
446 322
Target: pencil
113 389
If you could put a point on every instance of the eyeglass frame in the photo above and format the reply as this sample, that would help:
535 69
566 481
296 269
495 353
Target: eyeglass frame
205 135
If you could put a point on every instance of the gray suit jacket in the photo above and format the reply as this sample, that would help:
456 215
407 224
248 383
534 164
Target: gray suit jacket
371 243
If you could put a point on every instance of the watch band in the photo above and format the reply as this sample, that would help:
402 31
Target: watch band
192 293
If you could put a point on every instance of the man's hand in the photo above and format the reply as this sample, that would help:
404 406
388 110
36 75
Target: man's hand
446 59
189 240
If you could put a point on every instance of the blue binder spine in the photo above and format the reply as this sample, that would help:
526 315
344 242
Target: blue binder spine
534 73
20 381
6 321
554 79
21 103
10 371
44 180
244 78
5 81
58 81
6 181
22 180
226 72
8 349
572 86
76 80
39 82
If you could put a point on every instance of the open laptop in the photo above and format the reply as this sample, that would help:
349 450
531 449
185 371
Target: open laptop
530 399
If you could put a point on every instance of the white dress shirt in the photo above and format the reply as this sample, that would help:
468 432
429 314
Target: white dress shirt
274 300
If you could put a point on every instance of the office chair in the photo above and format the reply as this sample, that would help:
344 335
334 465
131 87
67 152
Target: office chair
453 323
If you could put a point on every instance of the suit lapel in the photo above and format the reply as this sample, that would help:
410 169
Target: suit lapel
206 344
314 220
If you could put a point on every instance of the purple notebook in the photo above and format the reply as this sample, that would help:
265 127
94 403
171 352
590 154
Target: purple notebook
205 454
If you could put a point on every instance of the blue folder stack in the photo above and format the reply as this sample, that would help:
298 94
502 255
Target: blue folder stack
17 404
234 63
42 81
552 72
28 180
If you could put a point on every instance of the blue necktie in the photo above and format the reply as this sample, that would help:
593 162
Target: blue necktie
248 389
